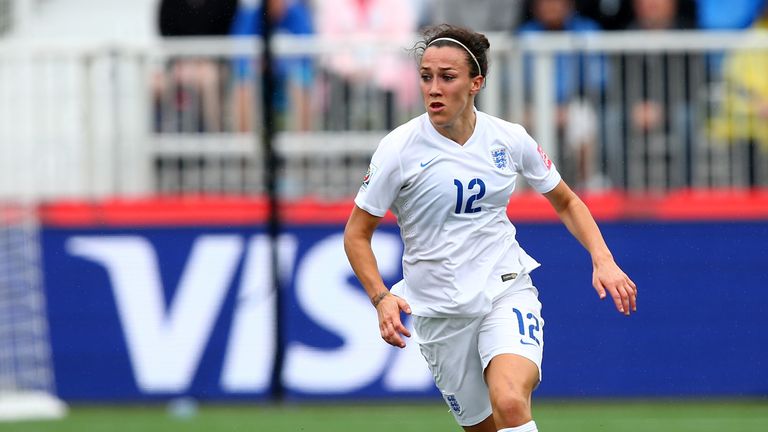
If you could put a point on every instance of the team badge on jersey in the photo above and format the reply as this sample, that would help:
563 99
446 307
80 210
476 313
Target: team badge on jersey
545 158
499 157
368 175
453 403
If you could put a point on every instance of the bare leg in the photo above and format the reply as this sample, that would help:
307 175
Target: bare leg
511 380
208 82
486 425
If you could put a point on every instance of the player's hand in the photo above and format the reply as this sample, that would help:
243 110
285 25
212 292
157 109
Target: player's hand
391 327
608 278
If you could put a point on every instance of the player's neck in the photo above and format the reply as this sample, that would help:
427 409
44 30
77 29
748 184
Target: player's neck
461 130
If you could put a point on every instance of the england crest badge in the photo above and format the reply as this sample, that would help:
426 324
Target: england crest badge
453 403
499 157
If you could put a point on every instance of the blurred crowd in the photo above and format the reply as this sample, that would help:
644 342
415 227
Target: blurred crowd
196 84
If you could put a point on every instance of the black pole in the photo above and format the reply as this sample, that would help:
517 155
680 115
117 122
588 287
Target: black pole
270 181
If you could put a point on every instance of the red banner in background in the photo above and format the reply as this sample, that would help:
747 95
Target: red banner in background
691 205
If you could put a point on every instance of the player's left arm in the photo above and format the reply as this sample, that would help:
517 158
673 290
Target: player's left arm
606 274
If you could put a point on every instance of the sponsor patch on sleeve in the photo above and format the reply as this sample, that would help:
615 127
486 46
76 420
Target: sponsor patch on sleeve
369 175
544 157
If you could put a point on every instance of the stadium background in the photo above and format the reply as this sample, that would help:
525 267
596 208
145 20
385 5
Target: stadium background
155 243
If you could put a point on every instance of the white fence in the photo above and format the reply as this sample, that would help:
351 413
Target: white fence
641 111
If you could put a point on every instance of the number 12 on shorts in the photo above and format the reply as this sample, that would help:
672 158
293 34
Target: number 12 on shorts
533 326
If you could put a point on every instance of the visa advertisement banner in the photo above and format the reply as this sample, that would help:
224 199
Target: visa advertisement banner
147 313
157 312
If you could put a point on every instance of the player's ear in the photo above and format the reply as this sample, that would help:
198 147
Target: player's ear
477 84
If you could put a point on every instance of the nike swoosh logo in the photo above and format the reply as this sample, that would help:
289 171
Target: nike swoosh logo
524 342
424 164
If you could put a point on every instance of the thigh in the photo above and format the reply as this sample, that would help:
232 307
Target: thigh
511 374
450 347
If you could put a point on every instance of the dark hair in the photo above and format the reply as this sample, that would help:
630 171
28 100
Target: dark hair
477 43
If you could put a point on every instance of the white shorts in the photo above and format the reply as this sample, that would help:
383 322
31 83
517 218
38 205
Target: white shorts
458 350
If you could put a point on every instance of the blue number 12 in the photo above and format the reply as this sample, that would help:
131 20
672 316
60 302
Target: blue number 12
532 329
469 208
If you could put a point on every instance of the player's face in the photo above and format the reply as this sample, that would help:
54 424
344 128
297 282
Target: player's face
446 86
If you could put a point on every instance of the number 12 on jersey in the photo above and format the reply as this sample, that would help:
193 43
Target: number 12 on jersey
468 207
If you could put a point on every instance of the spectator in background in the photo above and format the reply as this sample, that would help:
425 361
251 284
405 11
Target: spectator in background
293 76
658 99
188 95
579 81
663 15
743 120
727 15
618 14
196 17
610 14
367 60
723 16
481 15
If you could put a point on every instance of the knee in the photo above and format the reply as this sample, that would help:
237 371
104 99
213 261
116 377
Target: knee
512 408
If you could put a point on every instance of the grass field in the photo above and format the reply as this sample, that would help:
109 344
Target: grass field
668 416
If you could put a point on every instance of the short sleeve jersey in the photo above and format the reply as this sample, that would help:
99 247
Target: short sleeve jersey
450 201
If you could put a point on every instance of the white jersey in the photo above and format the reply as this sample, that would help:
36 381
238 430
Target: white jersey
450 201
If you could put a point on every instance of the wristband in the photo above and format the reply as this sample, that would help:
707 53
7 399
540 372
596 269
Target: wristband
376 300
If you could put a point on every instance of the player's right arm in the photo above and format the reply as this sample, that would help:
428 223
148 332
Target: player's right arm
357 244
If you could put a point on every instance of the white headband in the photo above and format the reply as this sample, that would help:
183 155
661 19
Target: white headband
477 63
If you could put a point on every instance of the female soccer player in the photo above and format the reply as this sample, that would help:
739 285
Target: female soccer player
447 175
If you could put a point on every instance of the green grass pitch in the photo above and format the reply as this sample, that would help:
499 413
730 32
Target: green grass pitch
551 416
